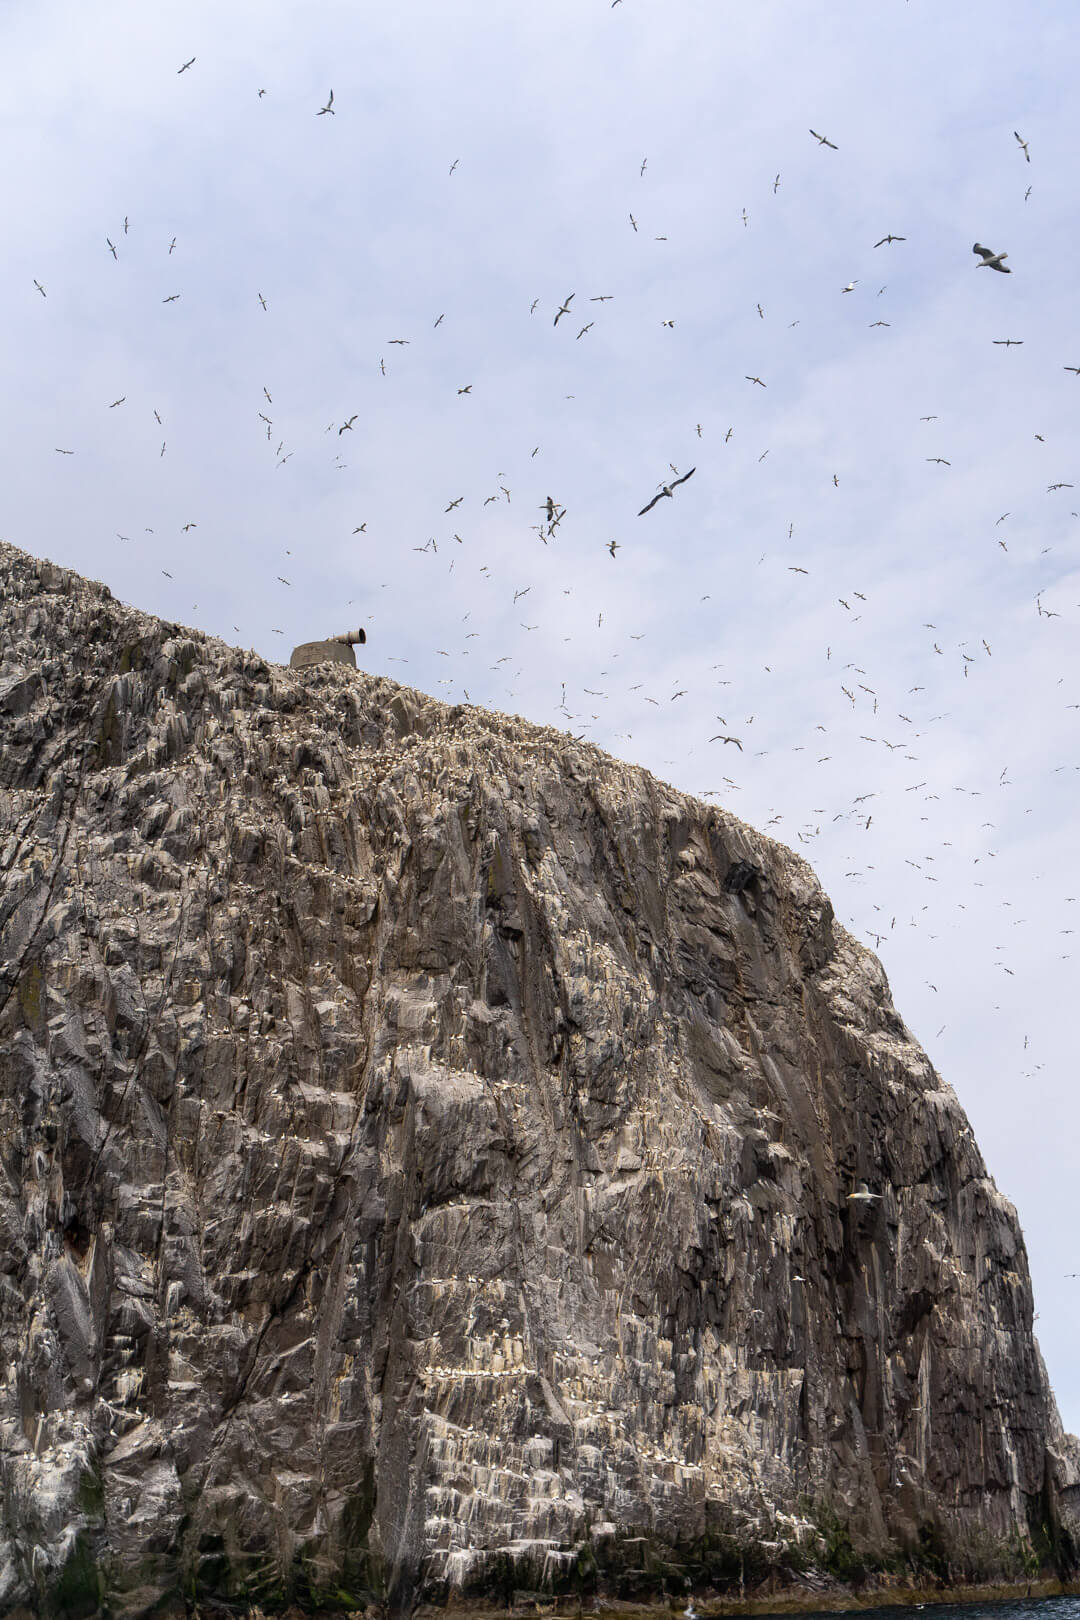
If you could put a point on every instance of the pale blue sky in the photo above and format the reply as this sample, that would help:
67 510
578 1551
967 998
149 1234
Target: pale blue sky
354 231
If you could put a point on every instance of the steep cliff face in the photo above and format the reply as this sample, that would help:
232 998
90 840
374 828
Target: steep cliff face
425 1154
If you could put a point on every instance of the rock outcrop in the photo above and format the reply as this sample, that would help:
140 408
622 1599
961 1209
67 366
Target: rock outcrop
426 1148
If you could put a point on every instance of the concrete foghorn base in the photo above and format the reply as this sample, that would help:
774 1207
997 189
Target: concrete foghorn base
321 652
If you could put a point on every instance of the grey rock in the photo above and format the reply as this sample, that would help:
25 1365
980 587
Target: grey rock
426 1154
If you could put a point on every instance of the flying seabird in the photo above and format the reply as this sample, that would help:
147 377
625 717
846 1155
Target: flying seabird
991 260
890 238
186 66
1023 146
821 140
564 309
666 490
329 108
863 1195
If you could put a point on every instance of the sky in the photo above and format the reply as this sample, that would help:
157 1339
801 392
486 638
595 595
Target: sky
254 353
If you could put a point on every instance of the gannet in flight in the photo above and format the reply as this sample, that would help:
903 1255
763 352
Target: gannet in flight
991 260
666 490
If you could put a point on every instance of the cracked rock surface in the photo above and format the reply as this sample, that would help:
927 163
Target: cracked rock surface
426 1146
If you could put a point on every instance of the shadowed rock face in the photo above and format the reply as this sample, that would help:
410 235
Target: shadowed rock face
425 1154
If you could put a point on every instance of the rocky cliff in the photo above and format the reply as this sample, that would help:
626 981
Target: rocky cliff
426 1147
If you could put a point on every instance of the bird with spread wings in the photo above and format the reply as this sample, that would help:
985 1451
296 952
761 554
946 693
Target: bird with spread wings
667 490
991 260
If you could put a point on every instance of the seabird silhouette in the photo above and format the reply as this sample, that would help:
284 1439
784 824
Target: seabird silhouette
991 260
666 490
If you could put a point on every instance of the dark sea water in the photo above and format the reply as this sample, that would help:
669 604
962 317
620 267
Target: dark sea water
1046 1608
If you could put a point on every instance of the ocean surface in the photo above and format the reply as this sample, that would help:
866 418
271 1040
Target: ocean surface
1047 1608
